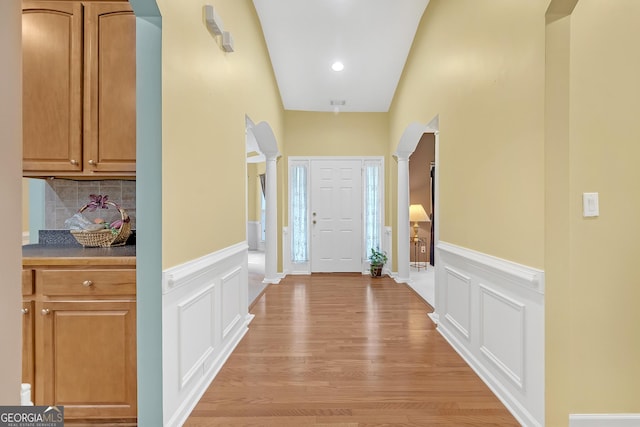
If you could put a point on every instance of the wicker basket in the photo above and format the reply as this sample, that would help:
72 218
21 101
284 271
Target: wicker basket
107 237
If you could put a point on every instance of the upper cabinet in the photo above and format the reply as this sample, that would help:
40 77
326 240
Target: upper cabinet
79 84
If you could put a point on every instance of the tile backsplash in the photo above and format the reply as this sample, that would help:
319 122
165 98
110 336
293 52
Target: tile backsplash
64 197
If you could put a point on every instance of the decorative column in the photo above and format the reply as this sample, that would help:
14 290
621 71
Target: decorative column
271 226
269 147
403 217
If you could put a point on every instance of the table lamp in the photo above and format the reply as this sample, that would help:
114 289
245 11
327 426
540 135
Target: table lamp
417 214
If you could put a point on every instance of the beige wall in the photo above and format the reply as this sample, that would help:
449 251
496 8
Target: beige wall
254 190
206 95
330 134
480 67
595 295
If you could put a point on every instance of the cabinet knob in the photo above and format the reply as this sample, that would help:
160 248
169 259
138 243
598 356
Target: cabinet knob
45 311
93 162
74 162
25 311
87 283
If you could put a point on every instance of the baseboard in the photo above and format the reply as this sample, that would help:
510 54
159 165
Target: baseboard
435 318
273 281
604 420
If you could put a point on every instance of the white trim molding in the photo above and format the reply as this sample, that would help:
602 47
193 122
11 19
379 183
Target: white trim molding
205 315
604 420
491 311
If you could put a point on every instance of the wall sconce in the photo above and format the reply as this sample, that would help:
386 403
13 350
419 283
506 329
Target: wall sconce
227 41
417 214
215 27
213 20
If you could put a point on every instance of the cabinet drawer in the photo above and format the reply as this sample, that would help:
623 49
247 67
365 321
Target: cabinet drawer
87 282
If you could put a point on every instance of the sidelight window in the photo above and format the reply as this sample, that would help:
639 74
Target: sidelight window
299 213
372 206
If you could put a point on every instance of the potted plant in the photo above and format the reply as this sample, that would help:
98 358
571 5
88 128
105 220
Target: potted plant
377 260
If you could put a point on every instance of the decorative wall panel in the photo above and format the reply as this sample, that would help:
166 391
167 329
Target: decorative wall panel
492 312
205 314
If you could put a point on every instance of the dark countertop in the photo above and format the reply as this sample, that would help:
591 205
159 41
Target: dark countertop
76 251
64 251
76 255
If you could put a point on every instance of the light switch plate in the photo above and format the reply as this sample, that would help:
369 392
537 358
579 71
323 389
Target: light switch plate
590 205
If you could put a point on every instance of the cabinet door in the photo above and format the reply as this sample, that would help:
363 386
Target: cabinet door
86 358
52 86
28 344
110 88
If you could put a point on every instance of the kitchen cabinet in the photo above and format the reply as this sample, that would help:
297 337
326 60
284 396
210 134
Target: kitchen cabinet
28 328
79 84
84 338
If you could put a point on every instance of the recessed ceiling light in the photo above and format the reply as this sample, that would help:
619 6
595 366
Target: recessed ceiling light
337 66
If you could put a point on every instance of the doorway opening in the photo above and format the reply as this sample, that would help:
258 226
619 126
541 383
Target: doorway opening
255 192
407 145
421 200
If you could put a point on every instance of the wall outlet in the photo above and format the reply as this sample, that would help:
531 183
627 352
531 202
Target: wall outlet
423 249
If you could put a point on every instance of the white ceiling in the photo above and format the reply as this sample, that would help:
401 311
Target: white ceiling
371 37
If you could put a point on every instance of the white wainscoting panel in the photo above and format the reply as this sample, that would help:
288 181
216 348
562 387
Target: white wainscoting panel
457 310
196 333
502 333
604 420
492 312
231 289
205 314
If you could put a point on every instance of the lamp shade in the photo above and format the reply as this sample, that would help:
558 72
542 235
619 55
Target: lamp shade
418 214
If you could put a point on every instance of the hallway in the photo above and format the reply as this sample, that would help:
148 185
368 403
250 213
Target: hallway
345 350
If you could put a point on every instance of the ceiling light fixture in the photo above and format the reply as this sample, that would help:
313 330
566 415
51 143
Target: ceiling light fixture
337 66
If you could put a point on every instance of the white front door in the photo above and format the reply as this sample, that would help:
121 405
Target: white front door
336 215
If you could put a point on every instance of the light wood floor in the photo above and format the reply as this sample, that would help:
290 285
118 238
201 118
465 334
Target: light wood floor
345 350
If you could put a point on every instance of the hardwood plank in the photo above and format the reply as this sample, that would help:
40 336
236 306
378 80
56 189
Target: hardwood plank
345 350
